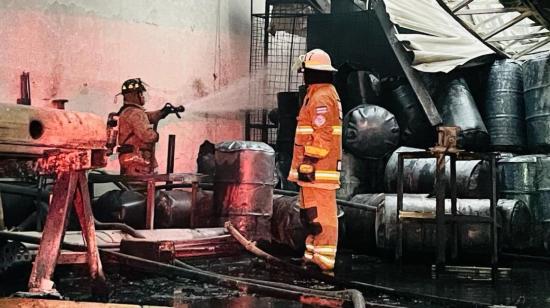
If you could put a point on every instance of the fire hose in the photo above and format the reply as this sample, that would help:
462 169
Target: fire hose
281 290
251 247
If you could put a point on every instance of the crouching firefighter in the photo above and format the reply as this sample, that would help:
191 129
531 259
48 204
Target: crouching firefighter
317 157
136 130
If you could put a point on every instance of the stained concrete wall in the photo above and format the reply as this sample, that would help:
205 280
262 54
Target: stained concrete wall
82 50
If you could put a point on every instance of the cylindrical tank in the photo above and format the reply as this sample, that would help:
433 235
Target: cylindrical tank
457 107
124 206
536 73
243 186
420 236
517 179
360 232
370 132
352 176
173 209
415 128
31 130
504 112
516 224
472 176
286 225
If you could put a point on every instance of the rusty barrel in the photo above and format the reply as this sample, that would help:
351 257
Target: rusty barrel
473 238
243 186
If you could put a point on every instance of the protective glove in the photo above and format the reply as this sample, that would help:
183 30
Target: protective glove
306 170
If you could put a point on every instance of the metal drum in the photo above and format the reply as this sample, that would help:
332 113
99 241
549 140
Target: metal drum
457 107
504 112
420 236
541 208
124 206
286 225
173 209
370 132
352 177
243 186
415 128
536 73
472 176
517 179
360 232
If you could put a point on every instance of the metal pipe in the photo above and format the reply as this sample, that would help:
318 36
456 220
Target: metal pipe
354 205
171 153
22 190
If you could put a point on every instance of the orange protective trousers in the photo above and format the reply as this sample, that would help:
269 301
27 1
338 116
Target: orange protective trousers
321 214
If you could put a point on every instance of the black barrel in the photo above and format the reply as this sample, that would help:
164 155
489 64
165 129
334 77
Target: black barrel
360 233
370 132
504 112
457 107
415 128
287 227
243 186
472 176
125 206
353 177
173 209
420 236
536 73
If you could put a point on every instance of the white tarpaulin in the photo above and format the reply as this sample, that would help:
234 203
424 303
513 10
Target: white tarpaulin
443 45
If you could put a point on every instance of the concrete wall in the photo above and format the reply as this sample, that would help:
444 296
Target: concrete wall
82 50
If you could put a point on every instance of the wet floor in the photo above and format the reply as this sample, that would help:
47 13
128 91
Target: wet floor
526 285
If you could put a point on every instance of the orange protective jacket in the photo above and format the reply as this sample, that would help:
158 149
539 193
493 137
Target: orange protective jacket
135 130
319 136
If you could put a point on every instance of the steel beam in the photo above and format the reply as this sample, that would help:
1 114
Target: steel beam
412 75
461 5
491 11
506 25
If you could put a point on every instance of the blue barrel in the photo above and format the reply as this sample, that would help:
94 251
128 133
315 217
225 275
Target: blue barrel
504 113
536 74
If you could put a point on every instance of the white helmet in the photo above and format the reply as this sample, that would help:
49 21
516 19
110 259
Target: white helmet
315 59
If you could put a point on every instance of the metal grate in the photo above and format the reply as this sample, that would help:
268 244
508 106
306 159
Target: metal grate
273 49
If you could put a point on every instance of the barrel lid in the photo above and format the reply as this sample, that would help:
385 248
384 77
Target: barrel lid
240 145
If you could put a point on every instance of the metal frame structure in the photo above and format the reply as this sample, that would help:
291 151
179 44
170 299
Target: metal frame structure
272 54
404 60
513 29
441 219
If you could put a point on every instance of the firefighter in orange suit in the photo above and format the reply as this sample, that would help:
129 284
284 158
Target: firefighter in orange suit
317 158
137 138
